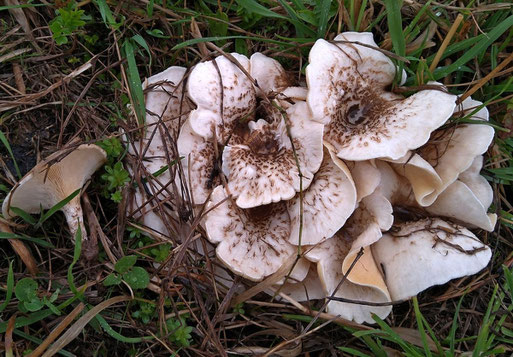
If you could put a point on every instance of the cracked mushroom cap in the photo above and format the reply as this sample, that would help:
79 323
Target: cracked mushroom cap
449 152
263 168
327 203
252 243
346 91
224 96
48 183
428 252
363 283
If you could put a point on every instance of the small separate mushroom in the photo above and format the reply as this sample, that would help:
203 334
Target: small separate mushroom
425 253
49 182
252 243
346 91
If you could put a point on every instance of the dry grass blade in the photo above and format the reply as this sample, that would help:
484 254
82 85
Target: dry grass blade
57 331
8 336
446 42
78 326
22 251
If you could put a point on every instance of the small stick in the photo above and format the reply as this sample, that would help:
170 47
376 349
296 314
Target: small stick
446 42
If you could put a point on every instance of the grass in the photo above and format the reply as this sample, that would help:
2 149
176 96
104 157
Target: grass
45 104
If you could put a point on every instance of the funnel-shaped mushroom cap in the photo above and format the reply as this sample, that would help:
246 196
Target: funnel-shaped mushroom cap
224 96
49 183
327 203
426 253
269 74
460 203
251 243
346 84
263 169
199 163
363 283
452 150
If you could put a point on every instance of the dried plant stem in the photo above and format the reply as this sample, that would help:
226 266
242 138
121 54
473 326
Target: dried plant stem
20 249
446 42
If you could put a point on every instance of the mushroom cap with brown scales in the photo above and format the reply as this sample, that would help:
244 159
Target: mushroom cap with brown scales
224 96
55 179
346 91
327 203
263 169
269 75
421 254
252 243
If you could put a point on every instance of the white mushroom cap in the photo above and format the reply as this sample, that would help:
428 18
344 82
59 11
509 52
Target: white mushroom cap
251 243
167 108
224 96
477 183
421 175
198 163
460 203
164 97
327 203
45 186
310 288
269 74
451 151
426 253
264 169
347 92
298 273
363 283
365 176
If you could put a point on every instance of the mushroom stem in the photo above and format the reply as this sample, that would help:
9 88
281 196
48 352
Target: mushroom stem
74 217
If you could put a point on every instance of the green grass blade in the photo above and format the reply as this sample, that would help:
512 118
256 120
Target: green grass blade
56 208
395 27
76 256
254 7
301 28
107 328
10 288
41 242
8 147
39 341
24 215
323 18
485 42
420 327
353 352
221 38
142 42
134 81
454 327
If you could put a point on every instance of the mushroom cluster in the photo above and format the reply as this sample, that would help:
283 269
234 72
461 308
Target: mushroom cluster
372 191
